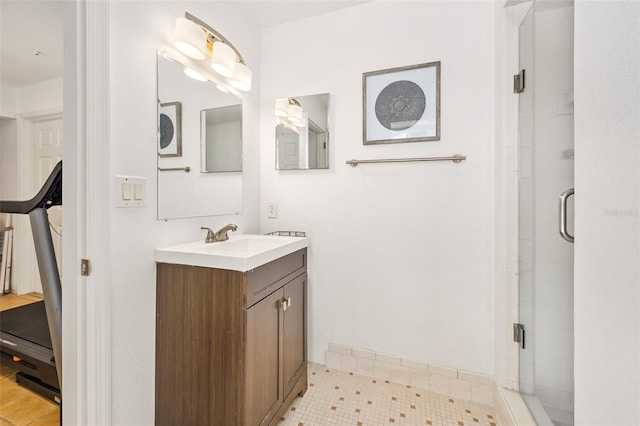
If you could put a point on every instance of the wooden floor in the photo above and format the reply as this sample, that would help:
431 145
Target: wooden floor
19 406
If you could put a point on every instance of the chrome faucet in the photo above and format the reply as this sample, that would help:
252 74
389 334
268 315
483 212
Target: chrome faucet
220 235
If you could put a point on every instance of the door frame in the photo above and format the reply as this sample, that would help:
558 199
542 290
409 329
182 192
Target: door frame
86 316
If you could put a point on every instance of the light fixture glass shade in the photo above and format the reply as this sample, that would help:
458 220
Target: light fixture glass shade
302 122
295 114
190 39
282 107
194 74
223 59
241 79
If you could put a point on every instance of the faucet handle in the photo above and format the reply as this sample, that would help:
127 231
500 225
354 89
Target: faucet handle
210 235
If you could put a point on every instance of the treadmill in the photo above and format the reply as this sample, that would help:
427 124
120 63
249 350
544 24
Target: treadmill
31 335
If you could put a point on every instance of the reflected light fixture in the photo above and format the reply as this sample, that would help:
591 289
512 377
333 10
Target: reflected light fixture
290 112
194 74
303 120
295 114
282 107
196 39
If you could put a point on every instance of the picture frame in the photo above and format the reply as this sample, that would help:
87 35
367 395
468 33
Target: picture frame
401 104
170 130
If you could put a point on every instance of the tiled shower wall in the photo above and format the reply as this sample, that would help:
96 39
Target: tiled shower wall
459 384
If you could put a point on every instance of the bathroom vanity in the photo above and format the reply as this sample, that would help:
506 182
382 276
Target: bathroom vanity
230 330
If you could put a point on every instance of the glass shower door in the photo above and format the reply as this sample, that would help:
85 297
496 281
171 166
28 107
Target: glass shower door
545 151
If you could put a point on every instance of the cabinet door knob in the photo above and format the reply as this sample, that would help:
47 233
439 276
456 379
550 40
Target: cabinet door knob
289 302
283 302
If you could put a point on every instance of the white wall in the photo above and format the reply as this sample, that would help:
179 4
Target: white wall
138 29
607 248
41 96
7 101
401 255
8 157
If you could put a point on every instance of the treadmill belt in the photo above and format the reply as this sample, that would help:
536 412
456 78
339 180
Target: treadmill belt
28 322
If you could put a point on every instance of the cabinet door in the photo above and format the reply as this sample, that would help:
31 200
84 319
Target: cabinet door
294 328
264 393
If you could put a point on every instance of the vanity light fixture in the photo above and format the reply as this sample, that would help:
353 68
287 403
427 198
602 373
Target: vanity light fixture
223 59
241 79
190 39
196 39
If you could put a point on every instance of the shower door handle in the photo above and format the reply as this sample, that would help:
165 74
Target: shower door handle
563 214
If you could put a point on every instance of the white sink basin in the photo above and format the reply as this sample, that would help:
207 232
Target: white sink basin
241 252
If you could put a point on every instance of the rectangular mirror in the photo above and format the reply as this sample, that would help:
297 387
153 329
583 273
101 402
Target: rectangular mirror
302 132
199 131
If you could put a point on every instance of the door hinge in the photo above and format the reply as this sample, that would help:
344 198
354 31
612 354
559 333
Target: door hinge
518 334
518 82
85 270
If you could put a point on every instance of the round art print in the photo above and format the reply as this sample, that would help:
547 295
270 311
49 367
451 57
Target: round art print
166 131
400 105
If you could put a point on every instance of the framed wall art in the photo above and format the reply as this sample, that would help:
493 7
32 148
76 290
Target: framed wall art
401 104
170 130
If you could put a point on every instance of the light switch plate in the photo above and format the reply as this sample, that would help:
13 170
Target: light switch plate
272 210
131 191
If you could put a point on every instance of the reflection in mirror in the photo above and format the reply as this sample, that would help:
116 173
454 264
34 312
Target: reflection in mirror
302 132
222 139
183 104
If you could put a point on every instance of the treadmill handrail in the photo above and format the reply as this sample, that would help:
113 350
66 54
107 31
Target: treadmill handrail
49 195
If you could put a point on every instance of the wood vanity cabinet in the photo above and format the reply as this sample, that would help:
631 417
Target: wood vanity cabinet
230 346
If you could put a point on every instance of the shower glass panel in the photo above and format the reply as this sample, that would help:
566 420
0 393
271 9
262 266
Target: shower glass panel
545 168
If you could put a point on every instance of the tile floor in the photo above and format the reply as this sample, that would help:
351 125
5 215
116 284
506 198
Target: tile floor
339 398
19 406
334 398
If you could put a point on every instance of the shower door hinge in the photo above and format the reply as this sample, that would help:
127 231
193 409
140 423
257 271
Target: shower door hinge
84 267
518 334
518 82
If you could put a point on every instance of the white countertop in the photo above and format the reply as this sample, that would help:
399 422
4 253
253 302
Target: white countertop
241 252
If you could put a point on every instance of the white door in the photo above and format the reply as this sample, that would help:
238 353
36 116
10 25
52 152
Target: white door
48 152
288 152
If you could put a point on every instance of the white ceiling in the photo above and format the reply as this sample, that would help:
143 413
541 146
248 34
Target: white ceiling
27 26
268 13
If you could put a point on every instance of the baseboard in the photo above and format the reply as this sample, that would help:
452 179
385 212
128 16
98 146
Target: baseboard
444 380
